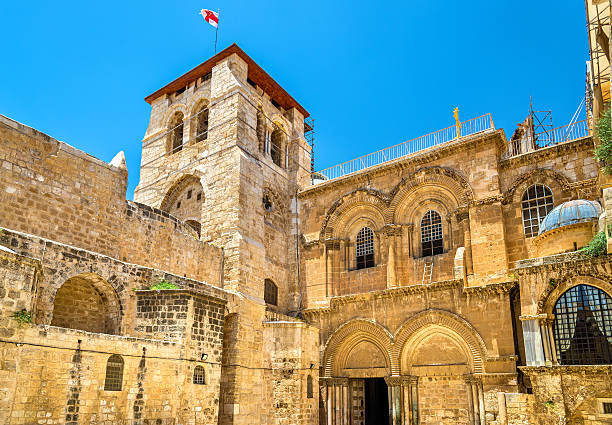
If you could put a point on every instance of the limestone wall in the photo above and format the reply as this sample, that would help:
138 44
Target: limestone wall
59 193
291 360
57 375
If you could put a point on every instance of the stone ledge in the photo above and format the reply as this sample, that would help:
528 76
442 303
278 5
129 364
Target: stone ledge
567 370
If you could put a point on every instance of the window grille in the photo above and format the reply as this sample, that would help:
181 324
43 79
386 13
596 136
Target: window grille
537 201
114 373
432 241
364 248
309 389
583 326
270 292
199 376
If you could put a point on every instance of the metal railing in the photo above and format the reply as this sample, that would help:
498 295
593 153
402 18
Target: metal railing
469 127
567 133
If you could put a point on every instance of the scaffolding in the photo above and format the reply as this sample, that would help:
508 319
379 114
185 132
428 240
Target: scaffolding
598 78
309 134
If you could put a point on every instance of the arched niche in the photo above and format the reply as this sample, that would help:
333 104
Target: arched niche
87 302
184 200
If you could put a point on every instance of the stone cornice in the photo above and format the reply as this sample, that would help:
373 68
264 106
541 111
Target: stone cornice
414 160
542 154
493 289
567 370
572 260
490 289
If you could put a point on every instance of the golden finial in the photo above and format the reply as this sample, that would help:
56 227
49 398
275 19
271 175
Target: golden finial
457 122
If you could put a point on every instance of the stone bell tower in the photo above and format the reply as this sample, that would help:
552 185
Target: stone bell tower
225 152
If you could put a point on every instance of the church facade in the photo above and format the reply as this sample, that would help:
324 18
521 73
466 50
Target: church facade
439 285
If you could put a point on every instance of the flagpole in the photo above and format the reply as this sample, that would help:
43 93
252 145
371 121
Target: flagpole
217 30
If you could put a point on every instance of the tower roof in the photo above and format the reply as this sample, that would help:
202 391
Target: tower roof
255 73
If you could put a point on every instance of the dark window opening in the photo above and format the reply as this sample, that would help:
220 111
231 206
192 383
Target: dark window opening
364 248
583 326
207 77
200 125
309 387
267 203
180 91
537 201
251 82
178 204
176 133
199 376
270 292
199 197
276 147
431 234
195 225
114 373
275 103
607 408
189 192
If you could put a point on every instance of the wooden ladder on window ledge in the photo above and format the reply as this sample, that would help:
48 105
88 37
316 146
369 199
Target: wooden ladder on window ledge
427 272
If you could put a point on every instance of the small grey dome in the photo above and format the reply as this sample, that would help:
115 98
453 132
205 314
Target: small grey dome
570 212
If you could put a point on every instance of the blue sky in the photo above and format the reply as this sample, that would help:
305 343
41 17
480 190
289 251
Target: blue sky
371 74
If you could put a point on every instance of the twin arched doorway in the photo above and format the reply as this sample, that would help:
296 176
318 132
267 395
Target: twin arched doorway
429 369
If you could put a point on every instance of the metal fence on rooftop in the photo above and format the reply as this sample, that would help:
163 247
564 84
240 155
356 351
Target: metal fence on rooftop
469 127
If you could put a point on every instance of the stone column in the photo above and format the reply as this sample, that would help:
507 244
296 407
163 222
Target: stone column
414 400
409 229
408 401
551 339
545 342
392 232
532 336
332 247
471 416
463 217
475 400
395 390
330 402
345 403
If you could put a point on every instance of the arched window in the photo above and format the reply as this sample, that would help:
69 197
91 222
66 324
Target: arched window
537 201
583 326
431 234
276 146
199 124
309 389
199 376
364 248
114 373
175 131
270 292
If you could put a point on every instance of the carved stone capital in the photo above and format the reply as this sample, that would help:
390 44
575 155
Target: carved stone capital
332 243
462 213
393 381
392 230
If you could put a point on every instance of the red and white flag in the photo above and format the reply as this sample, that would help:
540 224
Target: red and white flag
211 17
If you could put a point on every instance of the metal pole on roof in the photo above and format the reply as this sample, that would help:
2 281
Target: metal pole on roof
217 30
